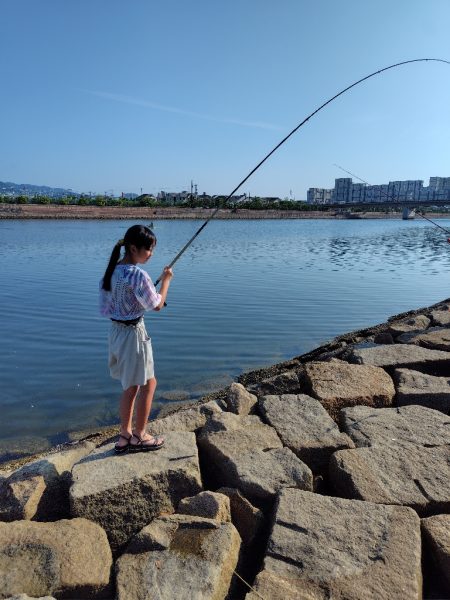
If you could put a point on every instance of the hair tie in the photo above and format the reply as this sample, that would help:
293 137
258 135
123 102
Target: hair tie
120 243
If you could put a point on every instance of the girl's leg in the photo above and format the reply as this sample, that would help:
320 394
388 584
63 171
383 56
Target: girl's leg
144 405
126 405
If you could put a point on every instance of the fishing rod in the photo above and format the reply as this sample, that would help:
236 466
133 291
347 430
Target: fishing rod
213 214
392 198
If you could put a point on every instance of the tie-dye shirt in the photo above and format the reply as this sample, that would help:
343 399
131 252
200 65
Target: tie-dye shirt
132 293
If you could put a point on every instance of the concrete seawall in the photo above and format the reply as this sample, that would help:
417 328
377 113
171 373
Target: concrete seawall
50 211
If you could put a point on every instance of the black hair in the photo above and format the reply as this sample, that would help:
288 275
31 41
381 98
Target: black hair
137 235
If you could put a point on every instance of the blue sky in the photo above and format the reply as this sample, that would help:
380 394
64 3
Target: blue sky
107 95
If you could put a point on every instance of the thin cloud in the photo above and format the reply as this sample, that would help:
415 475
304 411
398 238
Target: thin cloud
180 111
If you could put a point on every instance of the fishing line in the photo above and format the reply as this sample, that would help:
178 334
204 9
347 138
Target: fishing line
392 198
213 214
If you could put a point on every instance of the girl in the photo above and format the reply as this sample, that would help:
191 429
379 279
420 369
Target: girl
126 292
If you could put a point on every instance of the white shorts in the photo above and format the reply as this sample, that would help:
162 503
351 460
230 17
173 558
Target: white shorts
130 354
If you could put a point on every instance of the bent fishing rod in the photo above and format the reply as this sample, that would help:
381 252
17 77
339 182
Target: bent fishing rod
389 197
285 139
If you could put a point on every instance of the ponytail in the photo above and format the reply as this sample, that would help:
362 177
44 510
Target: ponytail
114 259
137 235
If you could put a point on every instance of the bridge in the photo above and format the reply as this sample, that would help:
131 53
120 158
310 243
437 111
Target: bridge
387 204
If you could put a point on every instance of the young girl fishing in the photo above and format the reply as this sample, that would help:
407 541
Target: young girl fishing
126 292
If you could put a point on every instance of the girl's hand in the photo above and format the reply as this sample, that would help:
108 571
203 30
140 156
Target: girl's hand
167 273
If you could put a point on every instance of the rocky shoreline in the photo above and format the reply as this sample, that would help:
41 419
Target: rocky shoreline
52 211
326 476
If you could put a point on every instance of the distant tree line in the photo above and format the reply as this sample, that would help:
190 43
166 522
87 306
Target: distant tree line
255 203
82 200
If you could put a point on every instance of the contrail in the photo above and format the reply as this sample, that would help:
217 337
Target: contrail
172 109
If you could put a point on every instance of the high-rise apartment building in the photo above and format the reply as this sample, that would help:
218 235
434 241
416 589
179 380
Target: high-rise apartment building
346 192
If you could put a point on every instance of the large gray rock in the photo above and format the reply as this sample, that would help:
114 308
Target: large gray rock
210 505
338 384
415 323
247 519
441 318
437 537
40 489
391 426
288 382
124 493
396 356
239 400
305 427
414 387
179 557
435 338
189 419
68 558
33 568
229 422
403 474
244 453
322 547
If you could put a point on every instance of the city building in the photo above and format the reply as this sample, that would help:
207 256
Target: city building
173 198
319 196
347 192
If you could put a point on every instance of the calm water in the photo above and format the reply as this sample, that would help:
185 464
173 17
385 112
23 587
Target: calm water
245 295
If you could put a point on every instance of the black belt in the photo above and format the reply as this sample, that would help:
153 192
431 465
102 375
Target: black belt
129 322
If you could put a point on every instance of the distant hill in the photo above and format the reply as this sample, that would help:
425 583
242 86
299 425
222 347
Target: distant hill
7 188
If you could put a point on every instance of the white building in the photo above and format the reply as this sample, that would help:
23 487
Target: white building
319 196
173 198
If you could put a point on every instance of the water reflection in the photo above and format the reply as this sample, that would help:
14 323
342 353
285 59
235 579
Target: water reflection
245 295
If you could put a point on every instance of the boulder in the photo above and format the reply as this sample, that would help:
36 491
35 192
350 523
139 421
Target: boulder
391 426
244 453
40 489
383 337
68 558
239 400
210 505
414 387
20 497
322 547
247 519
188 419
401 474
435 338
288 382
123 493
338 384
5 473
179 557
415 323
305 427
396 356
440 318
32 567
229 422
436 532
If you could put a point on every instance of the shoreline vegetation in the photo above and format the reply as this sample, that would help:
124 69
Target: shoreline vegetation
56 211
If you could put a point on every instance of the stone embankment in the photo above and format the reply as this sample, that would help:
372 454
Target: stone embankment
54 211
327 476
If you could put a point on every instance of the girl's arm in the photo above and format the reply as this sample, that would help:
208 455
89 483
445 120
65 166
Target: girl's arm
166 278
